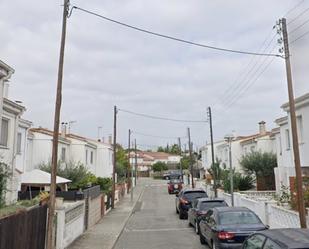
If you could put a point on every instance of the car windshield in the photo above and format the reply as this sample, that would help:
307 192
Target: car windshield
238 217
194 195
173 181
211 204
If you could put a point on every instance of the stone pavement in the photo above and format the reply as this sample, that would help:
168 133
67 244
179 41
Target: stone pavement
106 232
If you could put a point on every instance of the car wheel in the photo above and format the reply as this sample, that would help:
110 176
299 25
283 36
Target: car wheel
177 212
214 245
197 227
202 239
189 223
181 215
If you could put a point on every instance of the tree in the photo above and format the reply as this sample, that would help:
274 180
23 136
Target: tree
80 176
262 165
122 163
160 149
216 171
159 166
186 162
4 176
175 149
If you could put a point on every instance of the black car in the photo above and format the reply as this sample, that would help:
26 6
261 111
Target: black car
228 227
172 175
199 209
184 200
287 238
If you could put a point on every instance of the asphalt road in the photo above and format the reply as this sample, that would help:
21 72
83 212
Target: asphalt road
154 223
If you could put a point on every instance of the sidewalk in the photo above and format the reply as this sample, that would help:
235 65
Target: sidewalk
106 232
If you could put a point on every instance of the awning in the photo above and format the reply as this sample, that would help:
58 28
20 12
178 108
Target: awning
39 177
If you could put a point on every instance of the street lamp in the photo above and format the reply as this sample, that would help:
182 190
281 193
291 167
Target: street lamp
229 138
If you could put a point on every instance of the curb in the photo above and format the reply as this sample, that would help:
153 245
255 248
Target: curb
129 216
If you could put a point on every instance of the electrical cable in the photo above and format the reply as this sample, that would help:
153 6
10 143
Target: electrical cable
298 27
162 118
174 38
298 16
298 38
244 80
154 136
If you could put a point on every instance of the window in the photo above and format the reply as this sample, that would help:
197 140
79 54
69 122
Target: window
19 137
63 150
4 132
271 245
86 156
254 242
287 137
238 217
300 129
91 157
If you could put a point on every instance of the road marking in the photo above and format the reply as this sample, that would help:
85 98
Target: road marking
157 230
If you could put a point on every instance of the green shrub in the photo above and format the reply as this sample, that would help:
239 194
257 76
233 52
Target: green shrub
105 184
159 166
4 175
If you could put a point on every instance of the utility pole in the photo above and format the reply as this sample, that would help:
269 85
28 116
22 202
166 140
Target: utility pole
229 138
299 179
52 194
114 156
190 155
212 150
129 165
135 161
179 145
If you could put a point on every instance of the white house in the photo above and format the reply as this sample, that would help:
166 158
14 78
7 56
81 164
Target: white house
13 144
286 168
95 155
263 141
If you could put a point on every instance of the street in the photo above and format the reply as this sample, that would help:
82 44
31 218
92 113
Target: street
154 223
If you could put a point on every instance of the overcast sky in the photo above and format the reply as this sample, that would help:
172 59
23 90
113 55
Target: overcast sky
107 65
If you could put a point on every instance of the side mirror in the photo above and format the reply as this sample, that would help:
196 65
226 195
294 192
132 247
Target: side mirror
267 226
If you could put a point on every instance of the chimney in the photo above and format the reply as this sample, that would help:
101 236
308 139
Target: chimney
63 129
262 127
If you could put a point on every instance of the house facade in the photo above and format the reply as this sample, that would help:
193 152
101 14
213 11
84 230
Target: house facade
95 155
263 141
13 130
286 166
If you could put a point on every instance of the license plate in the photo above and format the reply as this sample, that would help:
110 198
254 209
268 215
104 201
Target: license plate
175 186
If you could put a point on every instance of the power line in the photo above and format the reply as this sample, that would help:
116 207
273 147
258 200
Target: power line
154 136
294 8
301 36
175 38
298 16
298 27
244 80
162 118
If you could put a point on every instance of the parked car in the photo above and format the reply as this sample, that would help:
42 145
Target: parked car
199 209
174 186
228 227
184 199
174 174
287 238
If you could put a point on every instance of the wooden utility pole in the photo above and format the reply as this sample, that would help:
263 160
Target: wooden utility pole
190 155
129 165
135 181
114 156
299 179
52 194
180 165
212 150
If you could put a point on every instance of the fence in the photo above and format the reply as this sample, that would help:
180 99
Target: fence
269 212
24 230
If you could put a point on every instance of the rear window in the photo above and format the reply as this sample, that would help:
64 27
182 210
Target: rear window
238 217
194 195
211 204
